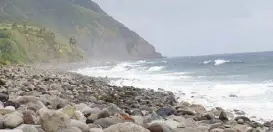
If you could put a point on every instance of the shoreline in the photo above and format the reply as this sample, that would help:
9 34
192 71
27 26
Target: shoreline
89 100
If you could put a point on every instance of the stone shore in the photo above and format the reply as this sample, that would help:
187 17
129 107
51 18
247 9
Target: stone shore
33 100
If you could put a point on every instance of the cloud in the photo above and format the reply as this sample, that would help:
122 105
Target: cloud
196 27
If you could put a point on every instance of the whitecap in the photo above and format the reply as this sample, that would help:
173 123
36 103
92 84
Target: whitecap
207 62
219 62
155 68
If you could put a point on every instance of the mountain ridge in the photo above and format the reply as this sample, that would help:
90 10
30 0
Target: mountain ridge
97 33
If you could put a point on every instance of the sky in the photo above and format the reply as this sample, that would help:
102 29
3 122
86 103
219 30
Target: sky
197 27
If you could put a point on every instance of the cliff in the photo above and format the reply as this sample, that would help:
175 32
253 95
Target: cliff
97 34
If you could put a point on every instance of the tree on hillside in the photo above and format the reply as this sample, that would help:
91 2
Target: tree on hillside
72 41
24 25
14 26
42 30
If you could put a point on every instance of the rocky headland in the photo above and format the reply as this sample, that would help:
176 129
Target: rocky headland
35 100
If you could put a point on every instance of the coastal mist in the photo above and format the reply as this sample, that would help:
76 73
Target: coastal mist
233 81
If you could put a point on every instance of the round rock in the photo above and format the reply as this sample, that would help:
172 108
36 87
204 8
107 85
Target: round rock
4 97
126 127
12 121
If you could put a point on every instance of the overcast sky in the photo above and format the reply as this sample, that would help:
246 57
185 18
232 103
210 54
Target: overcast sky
198 27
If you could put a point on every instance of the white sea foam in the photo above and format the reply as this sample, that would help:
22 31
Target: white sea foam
253 98
207 62
155 68
219 62
141 61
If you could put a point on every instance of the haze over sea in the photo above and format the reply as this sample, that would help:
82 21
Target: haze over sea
232 81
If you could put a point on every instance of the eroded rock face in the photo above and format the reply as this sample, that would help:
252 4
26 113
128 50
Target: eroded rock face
126 127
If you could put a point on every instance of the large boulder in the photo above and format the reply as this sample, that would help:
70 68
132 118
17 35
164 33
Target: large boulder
244 118
81 125
2 122
91 119
5 111
223 116
114 109
80 106
185 111
104 113
57 102
72 129
190 123
72 113
138 120
170 123
52 121
30 117
29 128
126 127
109 121
88 110
137 112
217 130
13 130
155 128
241 128
25 99
10 107
12 103
95 130
35 106
198 108
186 130
13 120
165 112
4 97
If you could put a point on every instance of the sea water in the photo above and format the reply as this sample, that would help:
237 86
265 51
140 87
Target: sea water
232 81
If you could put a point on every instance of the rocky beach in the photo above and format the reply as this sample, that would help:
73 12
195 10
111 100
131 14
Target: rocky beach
39 100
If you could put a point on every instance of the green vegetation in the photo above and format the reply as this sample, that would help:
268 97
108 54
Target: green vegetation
21 44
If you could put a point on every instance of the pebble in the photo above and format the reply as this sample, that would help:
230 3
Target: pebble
47 101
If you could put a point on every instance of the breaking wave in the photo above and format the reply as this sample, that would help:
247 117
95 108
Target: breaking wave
210 84
221 61
155 68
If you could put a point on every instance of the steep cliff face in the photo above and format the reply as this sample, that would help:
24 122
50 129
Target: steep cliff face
99 35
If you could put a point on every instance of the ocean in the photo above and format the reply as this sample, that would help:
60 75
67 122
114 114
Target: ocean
232 81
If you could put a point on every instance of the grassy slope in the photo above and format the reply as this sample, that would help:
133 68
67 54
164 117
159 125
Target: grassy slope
24 44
